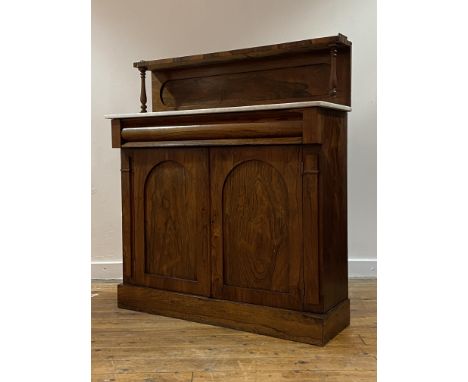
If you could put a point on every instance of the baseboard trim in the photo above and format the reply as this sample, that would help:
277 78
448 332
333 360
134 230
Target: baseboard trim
106 270
362 268
112 270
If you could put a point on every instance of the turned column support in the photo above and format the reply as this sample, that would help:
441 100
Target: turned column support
143 98
333 79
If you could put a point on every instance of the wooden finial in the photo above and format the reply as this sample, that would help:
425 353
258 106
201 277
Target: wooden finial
143 89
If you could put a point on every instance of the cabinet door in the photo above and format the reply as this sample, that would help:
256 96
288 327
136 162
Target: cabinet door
256 196
172 219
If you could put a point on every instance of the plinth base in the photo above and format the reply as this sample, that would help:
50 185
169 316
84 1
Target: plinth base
311 328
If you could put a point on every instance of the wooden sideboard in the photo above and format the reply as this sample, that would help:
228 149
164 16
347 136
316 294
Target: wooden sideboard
234 205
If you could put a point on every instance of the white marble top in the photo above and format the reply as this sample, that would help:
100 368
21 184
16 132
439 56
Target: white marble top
275 106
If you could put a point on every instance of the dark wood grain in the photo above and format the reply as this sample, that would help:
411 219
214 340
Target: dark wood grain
143 99
316 329
217 142
244 117
213 131
240 219
246 54
277 212
272 85
312 126
167 203
116 133
333 209
333 79
255 227
316 69
256 224
127 216
171 219
310 219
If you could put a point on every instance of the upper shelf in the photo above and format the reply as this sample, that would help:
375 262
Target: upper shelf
281 106
301 71
245 54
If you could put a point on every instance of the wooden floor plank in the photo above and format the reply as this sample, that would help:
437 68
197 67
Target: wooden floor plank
246 363
254 351
132 346
292 375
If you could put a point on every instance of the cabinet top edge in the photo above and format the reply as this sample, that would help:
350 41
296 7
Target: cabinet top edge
234 109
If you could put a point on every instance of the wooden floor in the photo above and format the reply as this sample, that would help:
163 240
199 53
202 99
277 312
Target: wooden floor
131 346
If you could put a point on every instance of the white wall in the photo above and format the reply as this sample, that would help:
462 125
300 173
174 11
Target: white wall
124 31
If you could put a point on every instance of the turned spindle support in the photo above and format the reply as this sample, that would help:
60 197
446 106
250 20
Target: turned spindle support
333 78
143 89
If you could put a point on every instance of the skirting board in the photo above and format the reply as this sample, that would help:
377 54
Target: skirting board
106 270
362 268
111 270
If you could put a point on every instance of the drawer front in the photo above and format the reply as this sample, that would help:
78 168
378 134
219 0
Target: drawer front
213 131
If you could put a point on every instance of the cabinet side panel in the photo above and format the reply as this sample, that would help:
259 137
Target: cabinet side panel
333 209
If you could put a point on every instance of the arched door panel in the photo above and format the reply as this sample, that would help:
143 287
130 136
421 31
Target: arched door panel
256 196
172 219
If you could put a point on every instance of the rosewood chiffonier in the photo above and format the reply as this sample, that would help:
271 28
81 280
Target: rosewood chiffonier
234 189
